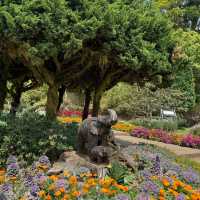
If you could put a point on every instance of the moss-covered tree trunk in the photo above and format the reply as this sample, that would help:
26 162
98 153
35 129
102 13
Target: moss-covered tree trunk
52 102
86 104
96 103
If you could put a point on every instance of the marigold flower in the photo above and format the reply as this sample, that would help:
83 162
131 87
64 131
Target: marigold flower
162 192
53 178
41 193
58 193
188 188
73 180
62 190
52 187
76 193
165 182
48 197
105 190
66 197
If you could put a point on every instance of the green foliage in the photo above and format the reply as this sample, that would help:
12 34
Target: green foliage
30 135
135 101
118 171
164 124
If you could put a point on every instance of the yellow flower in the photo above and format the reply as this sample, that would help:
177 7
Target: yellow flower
52 187
66 173
57 194
41 193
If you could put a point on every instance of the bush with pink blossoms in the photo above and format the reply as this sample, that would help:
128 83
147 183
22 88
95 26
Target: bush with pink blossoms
187 140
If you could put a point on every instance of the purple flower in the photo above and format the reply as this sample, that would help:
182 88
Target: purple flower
156 169
180 197
12 169
44 160
6 187
11 159
150 187
191 177
60 183
122 197
143 196
34 190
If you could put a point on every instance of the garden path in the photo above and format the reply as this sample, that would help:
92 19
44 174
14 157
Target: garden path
191 153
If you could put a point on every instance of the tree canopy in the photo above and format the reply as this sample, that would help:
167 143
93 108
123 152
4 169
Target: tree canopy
88 44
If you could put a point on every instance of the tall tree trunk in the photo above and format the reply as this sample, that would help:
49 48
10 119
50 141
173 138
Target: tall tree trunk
3 82
86 104
16 97
96 103
52 102
61 92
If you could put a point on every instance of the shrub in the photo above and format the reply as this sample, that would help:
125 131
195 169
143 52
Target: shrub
30 135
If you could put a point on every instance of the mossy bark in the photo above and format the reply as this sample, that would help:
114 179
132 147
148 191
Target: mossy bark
52 102
96 103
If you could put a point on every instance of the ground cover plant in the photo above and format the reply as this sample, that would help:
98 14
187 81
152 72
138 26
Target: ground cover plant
156 176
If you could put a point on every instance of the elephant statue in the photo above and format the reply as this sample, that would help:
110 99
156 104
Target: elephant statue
95 135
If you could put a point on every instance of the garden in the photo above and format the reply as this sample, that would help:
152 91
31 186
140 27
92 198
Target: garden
78 76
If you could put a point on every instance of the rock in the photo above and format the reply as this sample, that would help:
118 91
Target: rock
54 171
2 196
76 163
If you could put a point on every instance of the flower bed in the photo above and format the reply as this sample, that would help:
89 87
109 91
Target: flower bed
187 140
156 177
69 113
120 126
35 184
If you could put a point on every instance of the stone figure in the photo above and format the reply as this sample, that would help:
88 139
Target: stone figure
96 138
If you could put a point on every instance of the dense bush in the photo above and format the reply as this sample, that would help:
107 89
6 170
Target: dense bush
30 135
133 101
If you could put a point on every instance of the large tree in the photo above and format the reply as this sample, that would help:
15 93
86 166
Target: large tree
89 44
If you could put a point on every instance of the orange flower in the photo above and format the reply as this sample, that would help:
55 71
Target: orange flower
162 192
73 180
91 182
165 182
58 193
53 178
188 188
62 190
66 197
41 193
105 190
121 187
76 194
48 197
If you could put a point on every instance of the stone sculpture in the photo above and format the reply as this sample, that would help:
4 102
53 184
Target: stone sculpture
96 139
